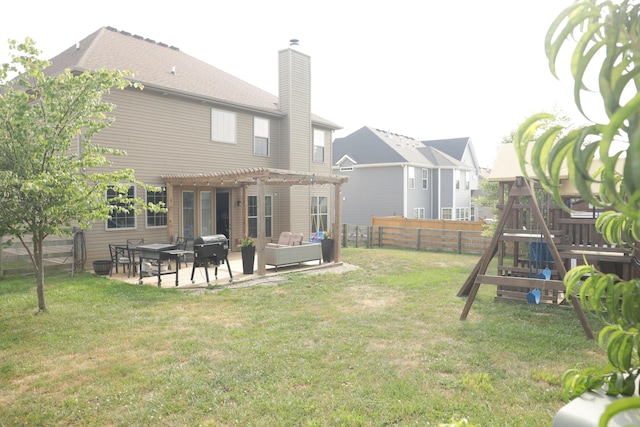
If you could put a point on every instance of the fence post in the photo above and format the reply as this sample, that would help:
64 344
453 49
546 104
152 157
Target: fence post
345 235
357 234
459 242
418 239
380 231
370 236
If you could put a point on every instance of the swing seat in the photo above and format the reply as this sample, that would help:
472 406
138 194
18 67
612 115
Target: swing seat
544 274
533 296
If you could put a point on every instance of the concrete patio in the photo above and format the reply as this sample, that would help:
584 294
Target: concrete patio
235 262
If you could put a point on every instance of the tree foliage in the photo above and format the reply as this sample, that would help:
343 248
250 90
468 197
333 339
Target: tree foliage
603 163
51 174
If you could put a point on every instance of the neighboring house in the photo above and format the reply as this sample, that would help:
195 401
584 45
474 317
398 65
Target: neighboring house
391 174
230 155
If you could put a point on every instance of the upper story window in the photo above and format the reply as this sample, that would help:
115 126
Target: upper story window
223 126
425 179
318 145
122 217
411 179
157 219
457 179
467 178
260 136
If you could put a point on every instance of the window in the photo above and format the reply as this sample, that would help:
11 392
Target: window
425 179
473 213
411 182
418 213
445 213
319 214
318 145
223 126
467 176
253 215
462 214
157 219
457 179
260 137
122 217
188 214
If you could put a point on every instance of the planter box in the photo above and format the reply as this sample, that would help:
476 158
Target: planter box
585 411
102 267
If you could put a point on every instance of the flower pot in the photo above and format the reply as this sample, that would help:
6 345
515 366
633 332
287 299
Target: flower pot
102 267
327 249
248 258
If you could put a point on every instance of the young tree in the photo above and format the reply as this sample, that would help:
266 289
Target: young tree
607 41
45 186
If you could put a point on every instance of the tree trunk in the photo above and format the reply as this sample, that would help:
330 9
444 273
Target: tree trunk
39 264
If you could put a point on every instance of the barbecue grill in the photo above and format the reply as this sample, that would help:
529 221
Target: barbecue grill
211 250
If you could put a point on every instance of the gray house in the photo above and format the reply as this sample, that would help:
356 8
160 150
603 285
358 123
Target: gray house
232 158
392 174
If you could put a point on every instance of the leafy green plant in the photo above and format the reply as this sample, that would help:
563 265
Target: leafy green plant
45 183
603 163
247 241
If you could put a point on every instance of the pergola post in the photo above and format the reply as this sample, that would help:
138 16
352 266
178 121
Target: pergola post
335 232
260 244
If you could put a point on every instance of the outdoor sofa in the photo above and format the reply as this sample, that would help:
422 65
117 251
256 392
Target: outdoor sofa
290 249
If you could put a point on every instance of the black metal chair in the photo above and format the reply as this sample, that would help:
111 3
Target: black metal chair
119 256
134 255
181 244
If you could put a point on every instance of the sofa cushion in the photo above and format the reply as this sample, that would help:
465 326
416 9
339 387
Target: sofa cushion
285 238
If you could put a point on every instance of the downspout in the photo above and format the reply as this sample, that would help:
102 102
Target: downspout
454 215
439 207
405 191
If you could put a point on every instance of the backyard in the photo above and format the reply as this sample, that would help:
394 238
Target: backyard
378 345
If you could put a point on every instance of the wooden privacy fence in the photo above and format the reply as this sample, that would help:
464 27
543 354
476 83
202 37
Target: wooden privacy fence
447 238
59 252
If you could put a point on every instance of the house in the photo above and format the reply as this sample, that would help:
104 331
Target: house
231 158
392 174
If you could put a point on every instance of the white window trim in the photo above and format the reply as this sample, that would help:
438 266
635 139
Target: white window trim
261 130
411 181
223 126
318 141
135 217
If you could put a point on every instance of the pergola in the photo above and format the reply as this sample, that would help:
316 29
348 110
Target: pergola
243 178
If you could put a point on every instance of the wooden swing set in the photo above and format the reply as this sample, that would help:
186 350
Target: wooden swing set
537 277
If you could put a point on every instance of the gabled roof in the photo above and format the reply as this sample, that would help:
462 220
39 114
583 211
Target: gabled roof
454 147
166 68
374 146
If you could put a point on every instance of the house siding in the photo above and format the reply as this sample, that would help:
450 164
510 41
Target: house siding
166 131
365 183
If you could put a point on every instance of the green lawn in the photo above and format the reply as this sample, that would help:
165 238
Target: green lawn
380 345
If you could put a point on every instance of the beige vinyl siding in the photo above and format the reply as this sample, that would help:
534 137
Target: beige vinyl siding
164 134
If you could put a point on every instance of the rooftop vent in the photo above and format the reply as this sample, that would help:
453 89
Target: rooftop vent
294 42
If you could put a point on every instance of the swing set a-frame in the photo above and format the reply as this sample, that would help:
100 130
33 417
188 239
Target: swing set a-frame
522 225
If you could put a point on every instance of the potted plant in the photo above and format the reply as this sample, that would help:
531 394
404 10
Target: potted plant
248 249
327 247
607 38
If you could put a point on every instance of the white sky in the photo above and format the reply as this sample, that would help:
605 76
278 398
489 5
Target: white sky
425 69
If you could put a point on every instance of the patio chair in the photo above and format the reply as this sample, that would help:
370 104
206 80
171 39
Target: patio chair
134 255
119 256
181 243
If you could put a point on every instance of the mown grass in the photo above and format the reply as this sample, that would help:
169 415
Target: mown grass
381 345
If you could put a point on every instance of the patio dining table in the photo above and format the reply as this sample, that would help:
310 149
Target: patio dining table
158 252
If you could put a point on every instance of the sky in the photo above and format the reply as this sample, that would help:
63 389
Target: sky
424 69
